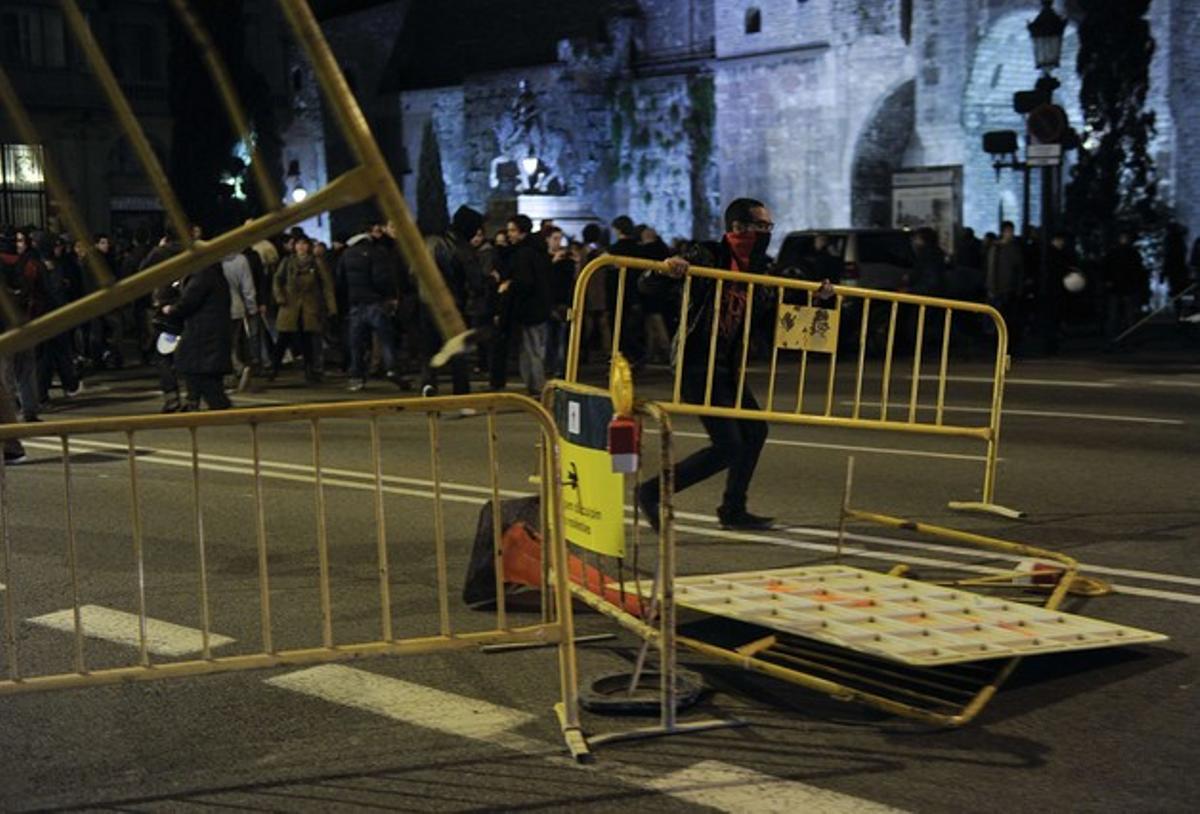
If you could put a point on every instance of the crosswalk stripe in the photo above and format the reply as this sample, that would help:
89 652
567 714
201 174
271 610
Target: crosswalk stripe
162 638
726 787
414 704
719 785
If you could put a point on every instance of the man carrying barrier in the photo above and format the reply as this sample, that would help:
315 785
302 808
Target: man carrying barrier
711 364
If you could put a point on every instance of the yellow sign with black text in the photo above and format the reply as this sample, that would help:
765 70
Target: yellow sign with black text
593 500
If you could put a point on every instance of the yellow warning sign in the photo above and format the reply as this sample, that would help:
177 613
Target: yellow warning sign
593 504
804 327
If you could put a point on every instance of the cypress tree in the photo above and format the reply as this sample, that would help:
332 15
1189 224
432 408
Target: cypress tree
433 216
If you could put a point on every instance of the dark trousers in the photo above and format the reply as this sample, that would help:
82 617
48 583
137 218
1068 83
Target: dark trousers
54 357
207 386
431 343
499 360
301 342
367 320
736 442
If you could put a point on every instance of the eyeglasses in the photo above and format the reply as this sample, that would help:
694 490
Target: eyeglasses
761 225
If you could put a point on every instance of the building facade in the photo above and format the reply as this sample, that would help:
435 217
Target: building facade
811 105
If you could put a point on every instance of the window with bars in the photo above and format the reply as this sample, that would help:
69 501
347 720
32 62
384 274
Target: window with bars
22 185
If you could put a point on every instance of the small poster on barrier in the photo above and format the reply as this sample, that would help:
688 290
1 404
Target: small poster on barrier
805 327
593 495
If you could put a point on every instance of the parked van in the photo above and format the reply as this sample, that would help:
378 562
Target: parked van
871 258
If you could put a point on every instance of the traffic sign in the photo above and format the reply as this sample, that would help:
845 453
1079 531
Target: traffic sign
1043 155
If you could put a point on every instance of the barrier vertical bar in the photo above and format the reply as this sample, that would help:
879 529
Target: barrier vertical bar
774 352
681 339
260 528
666 580
567 710
10 620
887 362
916 374
989 473
322 539
619 320
138 556
72 559
712 341
862 356
385 578
833 358
198 520
941 397
439 526
803 371
497 519
749 317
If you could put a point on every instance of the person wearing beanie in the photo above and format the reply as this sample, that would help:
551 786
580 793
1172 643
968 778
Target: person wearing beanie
456 254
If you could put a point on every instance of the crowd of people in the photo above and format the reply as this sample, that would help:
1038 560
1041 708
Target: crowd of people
296 304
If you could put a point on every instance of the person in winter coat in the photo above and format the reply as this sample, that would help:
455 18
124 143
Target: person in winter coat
303 288
367 279
735 444
528 289
204 354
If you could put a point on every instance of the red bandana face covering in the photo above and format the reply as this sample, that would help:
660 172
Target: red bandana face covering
733 303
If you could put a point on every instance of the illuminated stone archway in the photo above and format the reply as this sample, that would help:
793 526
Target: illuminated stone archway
878 153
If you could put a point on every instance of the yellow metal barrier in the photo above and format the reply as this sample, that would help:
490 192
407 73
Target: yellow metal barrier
28 673
369 180
640 599
914 416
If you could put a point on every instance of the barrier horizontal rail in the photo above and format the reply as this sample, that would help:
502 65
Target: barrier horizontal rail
909 313
557 628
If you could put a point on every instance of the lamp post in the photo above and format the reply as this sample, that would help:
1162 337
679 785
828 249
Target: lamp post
1046 32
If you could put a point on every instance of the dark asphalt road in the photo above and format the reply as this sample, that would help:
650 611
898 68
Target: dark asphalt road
1101 453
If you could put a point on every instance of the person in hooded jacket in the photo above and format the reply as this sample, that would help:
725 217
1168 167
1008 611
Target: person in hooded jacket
204 354
735 443
456 254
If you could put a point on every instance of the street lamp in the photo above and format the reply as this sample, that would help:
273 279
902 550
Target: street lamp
1046 31
298 192
1047 125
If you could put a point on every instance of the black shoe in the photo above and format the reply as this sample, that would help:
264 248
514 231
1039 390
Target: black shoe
743 520
14 458
398 380
648 503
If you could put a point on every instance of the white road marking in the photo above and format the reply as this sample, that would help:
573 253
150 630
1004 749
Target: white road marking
184 461
1032 382
719 785
162 638
413 704
1035 413
783 442
726 787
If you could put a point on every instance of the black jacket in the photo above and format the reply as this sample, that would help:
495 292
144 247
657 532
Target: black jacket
365 272
204 308
529 268
702 298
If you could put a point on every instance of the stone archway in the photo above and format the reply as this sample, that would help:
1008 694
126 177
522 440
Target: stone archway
879 152
1003 64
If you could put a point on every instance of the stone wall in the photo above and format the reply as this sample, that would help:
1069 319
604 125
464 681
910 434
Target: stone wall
812 113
